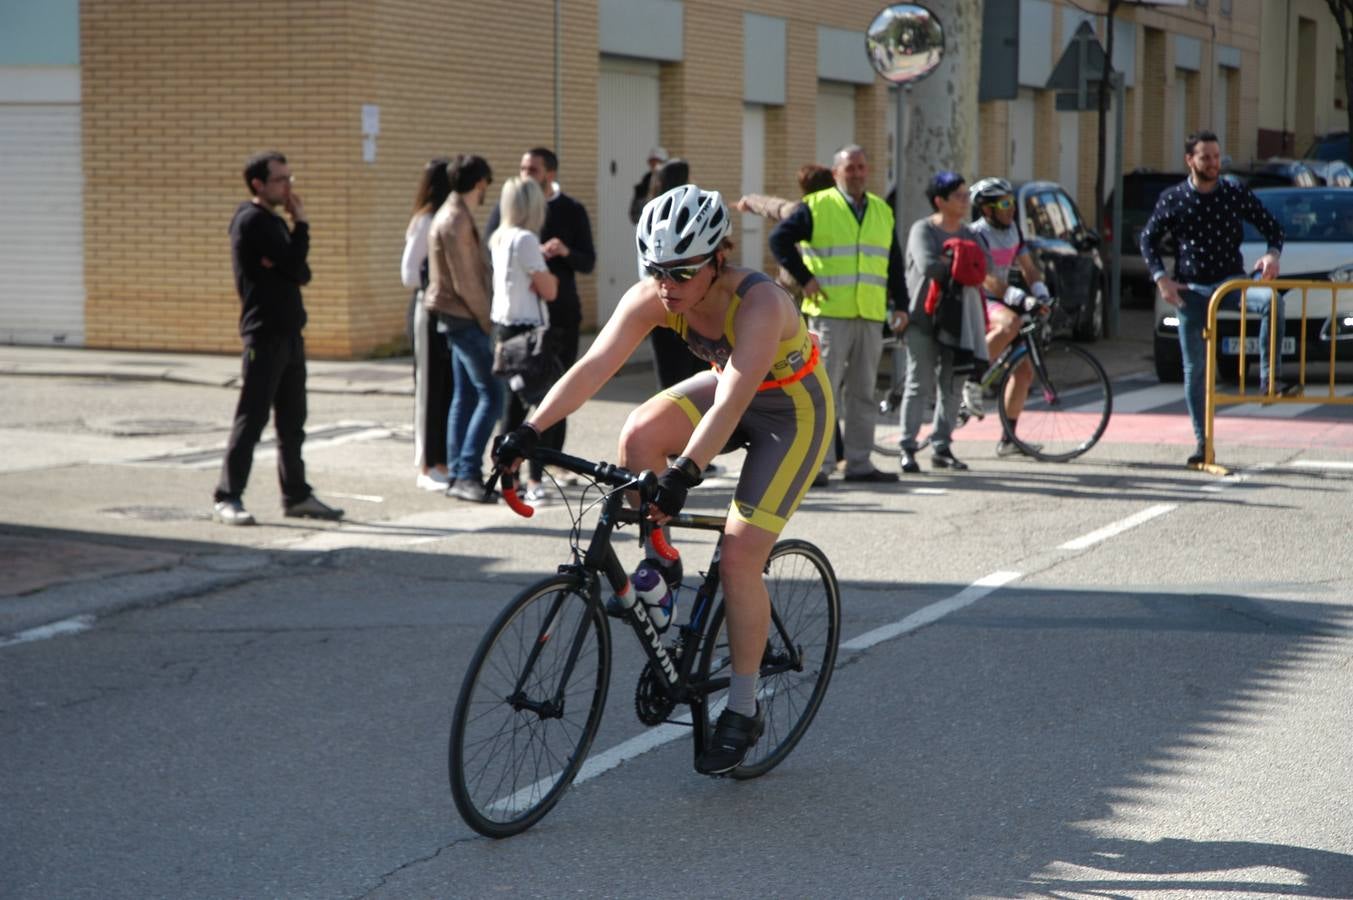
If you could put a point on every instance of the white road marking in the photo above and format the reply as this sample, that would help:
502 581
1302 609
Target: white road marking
1108 531
1320 464
55 629
366 498
934 612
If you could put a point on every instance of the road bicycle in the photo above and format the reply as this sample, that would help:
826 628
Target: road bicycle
534 692
1068 408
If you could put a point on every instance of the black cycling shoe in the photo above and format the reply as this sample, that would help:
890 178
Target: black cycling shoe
734 736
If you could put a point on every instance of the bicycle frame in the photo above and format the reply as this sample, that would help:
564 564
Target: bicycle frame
673 662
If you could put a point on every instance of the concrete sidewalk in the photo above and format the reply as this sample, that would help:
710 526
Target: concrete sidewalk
1130 353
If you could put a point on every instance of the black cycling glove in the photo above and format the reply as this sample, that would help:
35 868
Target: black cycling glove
518 443
673 485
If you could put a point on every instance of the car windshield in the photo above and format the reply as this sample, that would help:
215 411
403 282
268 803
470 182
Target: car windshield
1330 146
1308 214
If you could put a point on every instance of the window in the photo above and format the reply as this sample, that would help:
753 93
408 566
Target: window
1071 216
1048 216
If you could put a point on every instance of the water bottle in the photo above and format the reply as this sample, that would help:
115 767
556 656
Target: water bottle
651 587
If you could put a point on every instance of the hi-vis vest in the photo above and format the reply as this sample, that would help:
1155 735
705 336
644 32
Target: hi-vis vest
849 259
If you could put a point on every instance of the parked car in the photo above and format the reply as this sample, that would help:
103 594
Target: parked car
1332 172
1276 173
1067 250
1318 228
1141 189
1329 146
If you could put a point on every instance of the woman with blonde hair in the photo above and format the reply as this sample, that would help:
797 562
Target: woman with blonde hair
522 285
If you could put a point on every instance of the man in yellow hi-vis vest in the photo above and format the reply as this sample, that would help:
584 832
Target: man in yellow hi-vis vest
840 244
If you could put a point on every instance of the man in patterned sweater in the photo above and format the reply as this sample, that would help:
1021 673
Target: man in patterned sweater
1205 214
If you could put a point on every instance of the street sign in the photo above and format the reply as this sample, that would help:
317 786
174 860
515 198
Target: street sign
1081 66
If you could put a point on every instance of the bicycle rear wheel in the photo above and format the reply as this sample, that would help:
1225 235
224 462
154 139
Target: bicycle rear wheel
1068 408
800 653
529 707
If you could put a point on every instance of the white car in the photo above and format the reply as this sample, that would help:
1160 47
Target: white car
1318 227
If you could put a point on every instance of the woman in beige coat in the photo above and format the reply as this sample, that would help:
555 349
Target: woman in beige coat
459 292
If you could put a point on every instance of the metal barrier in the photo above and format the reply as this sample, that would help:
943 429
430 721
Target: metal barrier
1333 331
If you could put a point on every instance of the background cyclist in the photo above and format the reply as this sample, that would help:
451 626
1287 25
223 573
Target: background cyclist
766 392
997 230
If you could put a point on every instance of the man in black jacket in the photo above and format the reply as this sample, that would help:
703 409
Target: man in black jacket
270 266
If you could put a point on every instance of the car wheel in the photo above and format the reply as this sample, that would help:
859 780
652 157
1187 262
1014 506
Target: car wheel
1169 361
1090 322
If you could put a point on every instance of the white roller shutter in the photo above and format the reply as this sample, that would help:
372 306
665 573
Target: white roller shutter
753 182
42 282
627 124
835 118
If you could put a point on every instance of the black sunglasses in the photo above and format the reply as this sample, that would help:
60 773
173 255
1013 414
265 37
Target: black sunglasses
675 274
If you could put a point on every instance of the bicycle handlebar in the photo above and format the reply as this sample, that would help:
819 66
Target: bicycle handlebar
606 473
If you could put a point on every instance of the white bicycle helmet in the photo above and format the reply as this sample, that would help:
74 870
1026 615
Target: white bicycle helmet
683 223
990 189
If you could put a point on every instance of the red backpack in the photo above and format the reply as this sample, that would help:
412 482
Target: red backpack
969 267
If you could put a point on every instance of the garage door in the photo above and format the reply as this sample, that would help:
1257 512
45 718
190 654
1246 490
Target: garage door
627 123
835 118
42 281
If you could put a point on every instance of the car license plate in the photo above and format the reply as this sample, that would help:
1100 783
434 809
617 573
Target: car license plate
1231 346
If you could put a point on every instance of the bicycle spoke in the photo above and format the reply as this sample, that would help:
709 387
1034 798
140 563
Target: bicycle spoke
1068 406
526 716
805 603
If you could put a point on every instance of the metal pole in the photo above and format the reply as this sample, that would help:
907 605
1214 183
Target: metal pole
899 154
1116 274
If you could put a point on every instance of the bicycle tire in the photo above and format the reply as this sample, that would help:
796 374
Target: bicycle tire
805 596
1069 404
498 750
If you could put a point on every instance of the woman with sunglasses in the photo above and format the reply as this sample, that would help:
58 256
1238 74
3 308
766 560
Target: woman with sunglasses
765 392
1006 304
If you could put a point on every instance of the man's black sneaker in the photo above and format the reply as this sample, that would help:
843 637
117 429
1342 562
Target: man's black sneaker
945 459
1199 455
909 463
312 508
734 736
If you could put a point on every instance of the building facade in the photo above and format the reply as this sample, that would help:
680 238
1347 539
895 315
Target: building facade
126 125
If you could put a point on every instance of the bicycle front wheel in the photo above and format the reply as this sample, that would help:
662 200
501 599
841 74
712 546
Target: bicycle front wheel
800 652
1068 406
529 707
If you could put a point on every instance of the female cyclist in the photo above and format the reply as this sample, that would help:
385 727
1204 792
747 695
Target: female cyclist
765 392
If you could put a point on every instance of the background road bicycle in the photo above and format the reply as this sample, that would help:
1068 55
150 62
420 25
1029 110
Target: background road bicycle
1069 404
534 692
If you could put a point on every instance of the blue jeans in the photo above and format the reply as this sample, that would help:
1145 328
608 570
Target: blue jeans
1193 319
477 401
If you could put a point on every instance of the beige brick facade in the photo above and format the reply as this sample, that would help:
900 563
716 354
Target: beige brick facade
175 98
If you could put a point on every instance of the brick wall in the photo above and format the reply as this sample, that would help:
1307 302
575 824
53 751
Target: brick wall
175 100
171 111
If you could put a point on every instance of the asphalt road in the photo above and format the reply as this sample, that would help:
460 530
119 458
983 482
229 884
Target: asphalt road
1156 701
